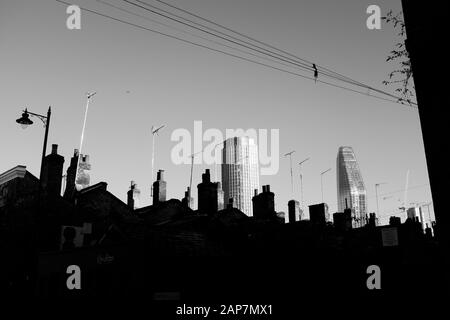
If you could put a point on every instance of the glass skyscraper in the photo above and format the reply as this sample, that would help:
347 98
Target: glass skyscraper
350 186
240 172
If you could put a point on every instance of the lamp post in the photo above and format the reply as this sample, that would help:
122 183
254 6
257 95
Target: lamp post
321 181
25 122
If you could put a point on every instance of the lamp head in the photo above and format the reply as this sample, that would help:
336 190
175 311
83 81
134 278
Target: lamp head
24 121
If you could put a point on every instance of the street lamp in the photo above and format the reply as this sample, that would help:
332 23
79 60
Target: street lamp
25 122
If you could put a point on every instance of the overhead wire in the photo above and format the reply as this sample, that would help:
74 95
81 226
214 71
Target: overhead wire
305 64
397 99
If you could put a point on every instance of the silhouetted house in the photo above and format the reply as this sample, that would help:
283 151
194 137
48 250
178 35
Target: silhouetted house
17 186
133 196
210 195
294 211
18 202
318 214
163 212
264 204
159 188
117 244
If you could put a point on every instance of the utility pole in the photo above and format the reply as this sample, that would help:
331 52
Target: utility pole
301 181
376 194
89 96
292 176
154 131
321 180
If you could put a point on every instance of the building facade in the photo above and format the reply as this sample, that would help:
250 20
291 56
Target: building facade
351 192
240 172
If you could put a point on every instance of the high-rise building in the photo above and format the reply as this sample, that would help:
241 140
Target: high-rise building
351 192
240 172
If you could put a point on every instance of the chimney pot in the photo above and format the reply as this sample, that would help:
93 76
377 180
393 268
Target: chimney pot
54 149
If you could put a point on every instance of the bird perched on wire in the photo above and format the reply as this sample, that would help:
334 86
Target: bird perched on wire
316 73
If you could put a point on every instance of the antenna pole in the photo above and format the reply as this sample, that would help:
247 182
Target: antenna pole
292 176
89 96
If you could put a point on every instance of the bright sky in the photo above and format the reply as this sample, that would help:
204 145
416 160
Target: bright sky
144 79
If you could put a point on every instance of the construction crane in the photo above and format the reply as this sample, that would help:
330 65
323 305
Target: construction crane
154 131
376 194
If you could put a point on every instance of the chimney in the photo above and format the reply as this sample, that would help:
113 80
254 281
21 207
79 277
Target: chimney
187 201
230 203
394 221
159 188
264 204
52 172
294 211
160 175
210 195
133 196
372 219
318 214
83 179
206 177
343 220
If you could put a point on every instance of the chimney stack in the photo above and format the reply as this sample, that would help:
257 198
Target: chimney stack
294 211
83 179
159 188
210 195
230 203
264 204
52 172
318 214
187 201
133 196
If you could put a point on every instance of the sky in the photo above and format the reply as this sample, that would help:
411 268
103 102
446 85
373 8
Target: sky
145 79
